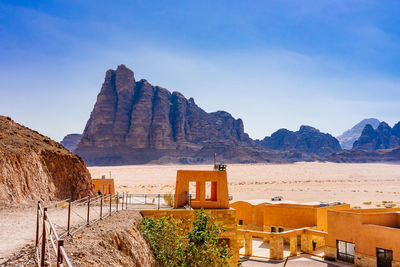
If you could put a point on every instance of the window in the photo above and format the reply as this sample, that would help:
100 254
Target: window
208 190
273 230
280 230
384 257
240 222
345 251
211 190
193 190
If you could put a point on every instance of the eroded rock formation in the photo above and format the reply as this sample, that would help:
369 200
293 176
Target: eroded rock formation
383 137
134 122
34 167
307 140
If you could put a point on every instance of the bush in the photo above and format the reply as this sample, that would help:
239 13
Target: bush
172 245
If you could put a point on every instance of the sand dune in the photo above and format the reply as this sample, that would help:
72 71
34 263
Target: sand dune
364 185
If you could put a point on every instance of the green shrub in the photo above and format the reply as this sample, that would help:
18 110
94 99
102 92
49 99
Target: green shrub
173 245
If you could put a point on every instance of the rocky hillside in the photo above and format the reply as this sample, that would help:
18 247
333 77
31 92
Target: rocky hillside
307 140
382 137
134 122
71 141
348 138
34 167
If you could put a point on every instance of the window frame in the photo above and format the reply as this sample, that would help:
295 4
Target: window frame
345 256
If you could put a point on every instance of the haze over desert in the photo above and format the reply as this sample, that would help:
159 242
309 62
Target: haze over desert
361 185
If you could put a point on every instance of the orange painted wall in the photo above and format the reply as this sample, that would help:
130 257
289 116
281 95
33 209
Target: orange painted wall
183 177
106 186
286 215
357 226
322 215
289 216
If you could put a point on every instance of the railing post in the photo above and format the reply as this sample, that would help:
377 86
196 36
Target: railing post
145 199
158 201
122 204
69 217
37 224
88 210
116 201
60 243
190 201
101 207
43 238
110 203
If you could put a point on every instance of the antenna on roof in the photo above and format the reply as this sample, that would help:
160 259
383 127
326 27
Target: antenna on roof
218 167
215 158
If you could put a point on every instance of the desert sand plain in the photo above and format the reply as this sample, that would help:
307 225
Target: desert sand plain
361 185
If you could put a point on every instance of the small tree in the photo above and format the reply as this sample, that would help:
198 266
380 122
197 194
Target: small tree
165 238
198 247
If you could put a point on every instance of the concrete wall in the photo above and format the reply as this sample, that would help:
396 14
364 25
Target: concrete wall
219 198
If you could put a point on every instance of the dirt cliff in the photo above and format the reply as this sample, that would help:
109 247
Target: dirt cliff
34 167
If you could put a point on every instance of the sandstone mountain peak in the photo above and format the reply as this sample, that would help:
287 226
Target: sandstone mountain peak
134 122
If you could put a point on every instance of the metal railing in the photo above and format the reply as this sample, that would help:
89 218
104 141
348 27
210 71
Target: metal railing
67 217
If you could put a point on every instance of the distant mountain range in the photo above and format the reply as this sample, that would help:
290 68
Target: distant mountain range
134 122
374 145
383 137
308 141
348 138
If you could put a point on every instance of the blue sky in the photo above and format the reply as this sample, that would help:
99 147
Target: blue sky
275 64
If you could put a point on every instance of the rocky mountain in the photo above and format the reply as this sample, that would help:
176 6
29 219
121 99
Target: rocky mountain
307 140
33 167
134 122
71 141
382 137
364 156
348 138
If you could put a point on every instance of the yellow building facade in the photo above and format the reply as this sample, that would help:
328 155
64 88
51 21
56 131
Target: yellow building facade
365 237
283 222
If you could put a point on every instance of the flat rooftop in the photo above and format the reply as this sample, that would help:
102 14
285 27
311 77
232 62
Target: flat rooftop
256 202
